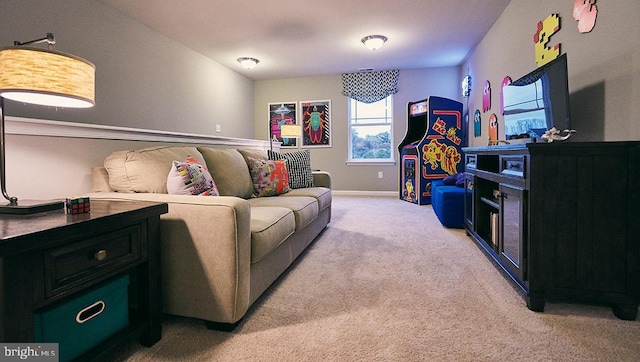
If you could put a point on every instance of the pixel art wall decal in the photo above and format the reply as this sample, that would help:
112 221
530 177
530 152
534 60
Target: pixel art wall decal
585 13
486 96
505 82
466 86
493 128
477 124
542 37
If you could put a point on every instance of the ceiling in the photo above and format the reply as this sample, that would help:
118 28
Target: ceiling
297 38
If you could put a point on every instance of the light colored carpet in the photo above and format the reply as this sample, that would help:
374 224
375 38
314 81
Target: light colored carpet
386 282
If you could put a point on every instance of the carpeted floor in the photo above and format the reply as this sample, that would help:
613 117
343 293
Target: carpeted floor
386 282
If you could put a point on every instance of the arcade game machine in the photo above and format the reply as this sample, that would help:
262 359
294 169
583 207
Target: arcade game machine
432 148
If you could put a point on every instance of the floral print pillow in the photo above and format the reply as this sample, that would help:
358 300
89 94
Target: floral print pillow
270 178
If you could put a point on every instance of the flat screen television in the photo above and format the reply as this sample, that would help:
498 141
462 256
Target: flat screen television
538 101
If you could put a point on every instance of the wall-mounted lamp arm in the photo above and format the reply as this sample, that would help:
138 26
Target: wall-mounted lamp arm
49 39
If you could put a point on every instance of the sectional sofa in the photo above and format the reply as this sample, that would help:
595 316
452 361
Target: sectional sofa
220 253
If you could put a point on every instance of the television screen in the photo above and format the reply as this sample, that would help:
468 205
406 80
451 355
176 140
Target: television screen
538 101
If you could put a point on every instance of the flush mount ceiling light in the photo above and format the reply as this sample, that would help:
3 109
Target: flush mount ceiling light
247 62
374 42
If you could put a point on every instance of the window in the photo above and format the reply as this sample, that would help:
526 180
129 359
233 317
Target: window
370 131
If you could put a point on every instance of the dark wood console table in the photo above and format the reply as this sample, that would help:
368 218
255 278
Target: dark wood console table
562 219
48 258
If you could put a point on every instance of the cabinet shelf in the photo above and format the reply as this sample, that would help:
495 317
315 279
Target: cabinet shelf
490 202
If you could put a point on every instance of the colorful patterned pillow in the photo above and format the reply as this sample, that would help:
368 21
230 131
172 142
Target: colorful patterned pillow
270 178
299 163
190 178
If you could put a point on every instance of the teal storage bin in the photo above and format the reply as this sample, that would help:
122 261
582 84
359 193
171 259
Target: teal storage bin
81 323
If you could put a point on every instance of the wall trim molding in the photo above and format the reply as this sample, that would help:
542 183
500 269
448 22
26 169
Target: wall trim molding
41 127
364 193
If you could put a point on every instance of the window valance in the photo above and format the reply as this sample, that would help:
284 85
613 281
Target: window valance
369 87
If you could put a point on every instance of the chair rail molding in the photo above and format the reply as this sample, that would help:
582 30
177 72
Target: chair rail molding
41 127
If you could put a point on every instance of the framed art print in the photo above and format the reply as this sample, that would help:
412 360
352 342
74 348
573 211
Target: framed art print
316 123
279 114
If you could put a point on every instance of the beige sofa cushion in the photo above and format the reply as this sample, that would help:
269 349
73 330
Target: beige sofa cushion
145 170
254 153
229 170
270 226
100 180
304 208
322 194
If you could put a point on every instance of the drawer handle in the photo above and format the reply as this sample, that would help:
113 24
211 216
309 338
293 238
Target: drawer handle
100 255
90 312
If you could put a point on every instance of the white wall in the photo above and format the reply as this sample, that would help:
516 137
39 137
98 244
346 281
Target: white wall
53 160
413 84
604 65
44 168
143 79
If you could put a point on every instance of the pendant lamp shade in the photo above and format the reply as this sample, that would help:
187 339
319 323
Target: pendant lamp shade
46 77
291 130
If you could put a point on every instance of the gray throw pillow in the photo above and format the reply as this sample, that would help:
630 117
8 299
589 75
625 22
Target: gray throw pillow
229 170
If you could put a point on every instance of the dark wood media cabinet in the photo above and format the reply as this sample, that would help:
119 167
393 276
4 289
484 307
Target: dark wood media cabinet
50 257
562 219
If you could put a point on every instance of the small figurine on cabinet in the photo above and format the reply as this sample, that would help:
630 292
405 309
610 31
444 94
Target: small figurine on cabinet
554 135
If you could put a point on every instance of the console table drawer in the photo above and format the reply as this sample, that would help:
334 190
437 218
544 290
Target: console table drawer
470 161
513 166
90 258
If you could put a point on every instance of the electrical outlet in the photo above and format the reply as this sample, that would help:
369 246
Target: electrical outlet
218 128
380 174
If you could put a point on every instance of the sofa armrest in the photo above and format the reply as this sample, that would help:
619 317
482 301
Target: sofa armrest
100 180
206 251
322 179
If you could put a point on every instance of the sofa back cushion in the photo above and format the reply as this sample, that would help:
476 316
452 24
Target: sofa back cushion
253 153
145 170
229 170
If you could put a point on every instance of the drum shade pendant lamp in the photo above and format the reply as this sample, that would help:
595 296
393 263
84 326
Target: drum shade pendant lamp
45 77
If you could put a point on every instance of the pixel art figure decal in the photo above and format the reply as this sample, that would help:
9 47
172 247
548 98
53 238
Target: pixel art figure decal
542 37
486 96
493 127
477 124
466 86
505 82
585 13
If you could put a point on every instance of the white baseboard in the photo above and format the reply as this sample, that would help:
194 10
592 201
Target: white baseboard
364 193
